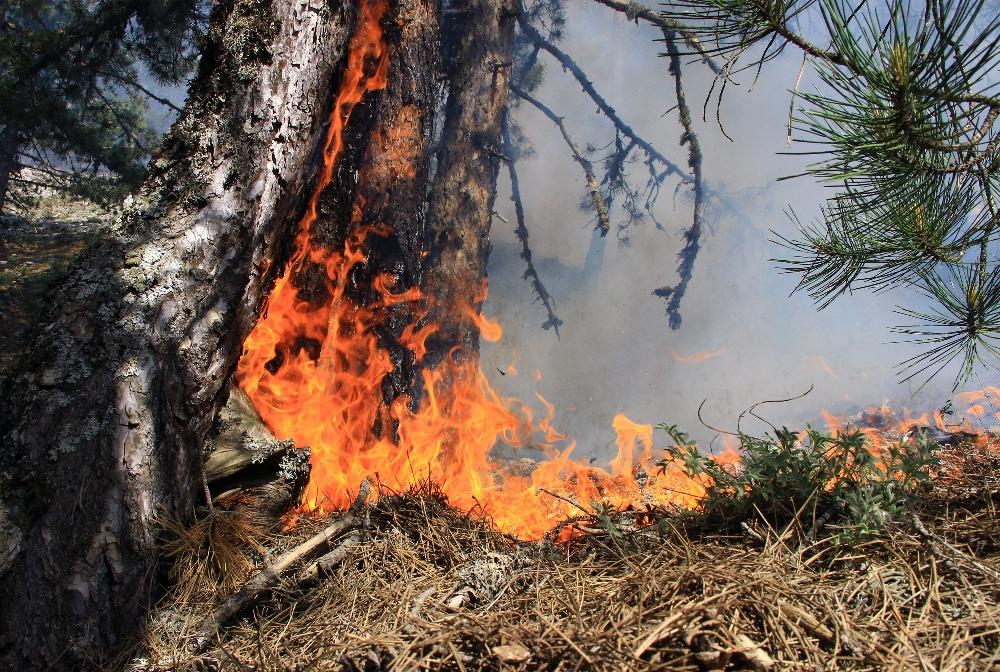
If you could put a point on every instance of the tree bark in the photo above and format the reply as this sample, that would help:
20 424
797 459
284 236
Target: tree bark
480 61
8 163
105 428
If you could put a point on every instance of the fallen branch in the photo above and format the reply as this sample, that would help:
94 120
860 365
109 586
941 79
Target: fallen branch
327 563
268 577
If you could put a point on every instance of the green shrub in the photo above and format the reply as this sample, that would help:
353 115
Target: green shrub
786 478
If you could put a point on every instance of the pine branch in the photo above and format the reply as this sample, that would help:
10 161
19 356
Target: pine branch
133 83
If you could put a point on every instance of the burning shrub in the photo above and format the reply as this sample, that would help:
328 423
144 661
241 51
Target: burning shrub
810 477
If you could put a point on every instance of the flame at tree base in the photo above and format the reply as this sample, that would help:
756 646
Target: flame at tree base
315 373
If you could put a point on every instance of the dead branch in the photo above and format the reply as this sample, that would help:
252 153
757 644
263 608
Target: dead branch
596 200
692 237
268 577
328 562
634 11
521 231
569 64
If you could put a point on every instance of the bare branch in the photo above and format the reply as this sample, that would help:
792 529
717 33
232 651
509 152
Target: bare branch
588 87
634 11
530 273
596 200
692 237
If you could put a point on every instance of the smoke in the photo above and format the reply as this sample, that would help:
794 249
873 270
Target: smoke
743 338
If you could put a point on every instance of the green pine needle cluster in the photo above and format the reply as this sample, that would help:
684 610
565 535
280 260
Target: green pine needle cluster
903 124
74 78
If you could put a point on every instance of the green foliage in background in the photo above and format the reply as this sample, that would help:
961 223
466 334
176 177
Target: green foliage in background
903 125
74 77
788 479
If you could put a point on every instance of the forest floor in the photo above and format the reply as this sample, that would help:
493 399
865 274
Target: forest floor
418 585
413 584
37 249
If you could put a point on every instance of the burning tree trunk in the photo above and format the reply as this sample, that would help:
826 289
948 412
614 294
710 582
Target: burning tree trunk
104 429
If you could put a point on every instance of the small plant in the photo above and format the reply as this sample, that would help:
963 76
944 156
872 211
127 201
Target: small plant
807 477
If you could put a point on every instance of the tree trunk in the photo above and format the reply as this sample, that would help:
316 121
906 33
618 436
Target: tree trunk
8 163
104 428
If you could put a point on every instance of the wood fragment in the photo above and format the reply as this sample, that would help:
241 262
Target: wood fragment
327 563
268 577
951 556
808 621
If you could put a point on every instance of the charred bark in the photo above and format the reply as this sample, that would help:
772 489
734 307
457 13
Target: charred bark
104 429
479 58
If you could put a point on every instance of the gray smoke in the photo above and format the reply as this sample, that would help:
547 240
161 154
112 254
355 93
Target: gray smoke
616 352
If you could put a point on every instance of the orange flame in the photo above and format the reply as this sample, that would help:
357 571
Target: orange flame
315 370
315 374
696 357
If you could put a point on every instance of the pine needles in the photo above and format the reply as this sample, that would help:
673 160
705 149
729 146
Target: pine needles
903 122
215 554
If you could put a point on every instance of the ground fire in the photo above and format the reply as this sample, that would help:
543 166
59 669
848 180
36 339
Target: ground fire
329 396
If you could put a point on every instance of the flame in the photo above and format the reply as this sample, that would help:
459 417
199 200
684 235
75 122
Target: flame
489 330
824 365
316 374
696 357
316 369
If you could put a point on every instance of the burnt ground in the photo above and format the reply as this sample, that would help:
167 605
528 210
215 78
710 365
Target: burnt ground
37 250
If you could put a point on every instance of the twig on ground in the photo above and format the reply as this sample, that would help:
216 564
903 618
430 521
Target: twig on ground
950 555
328 562
268 577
